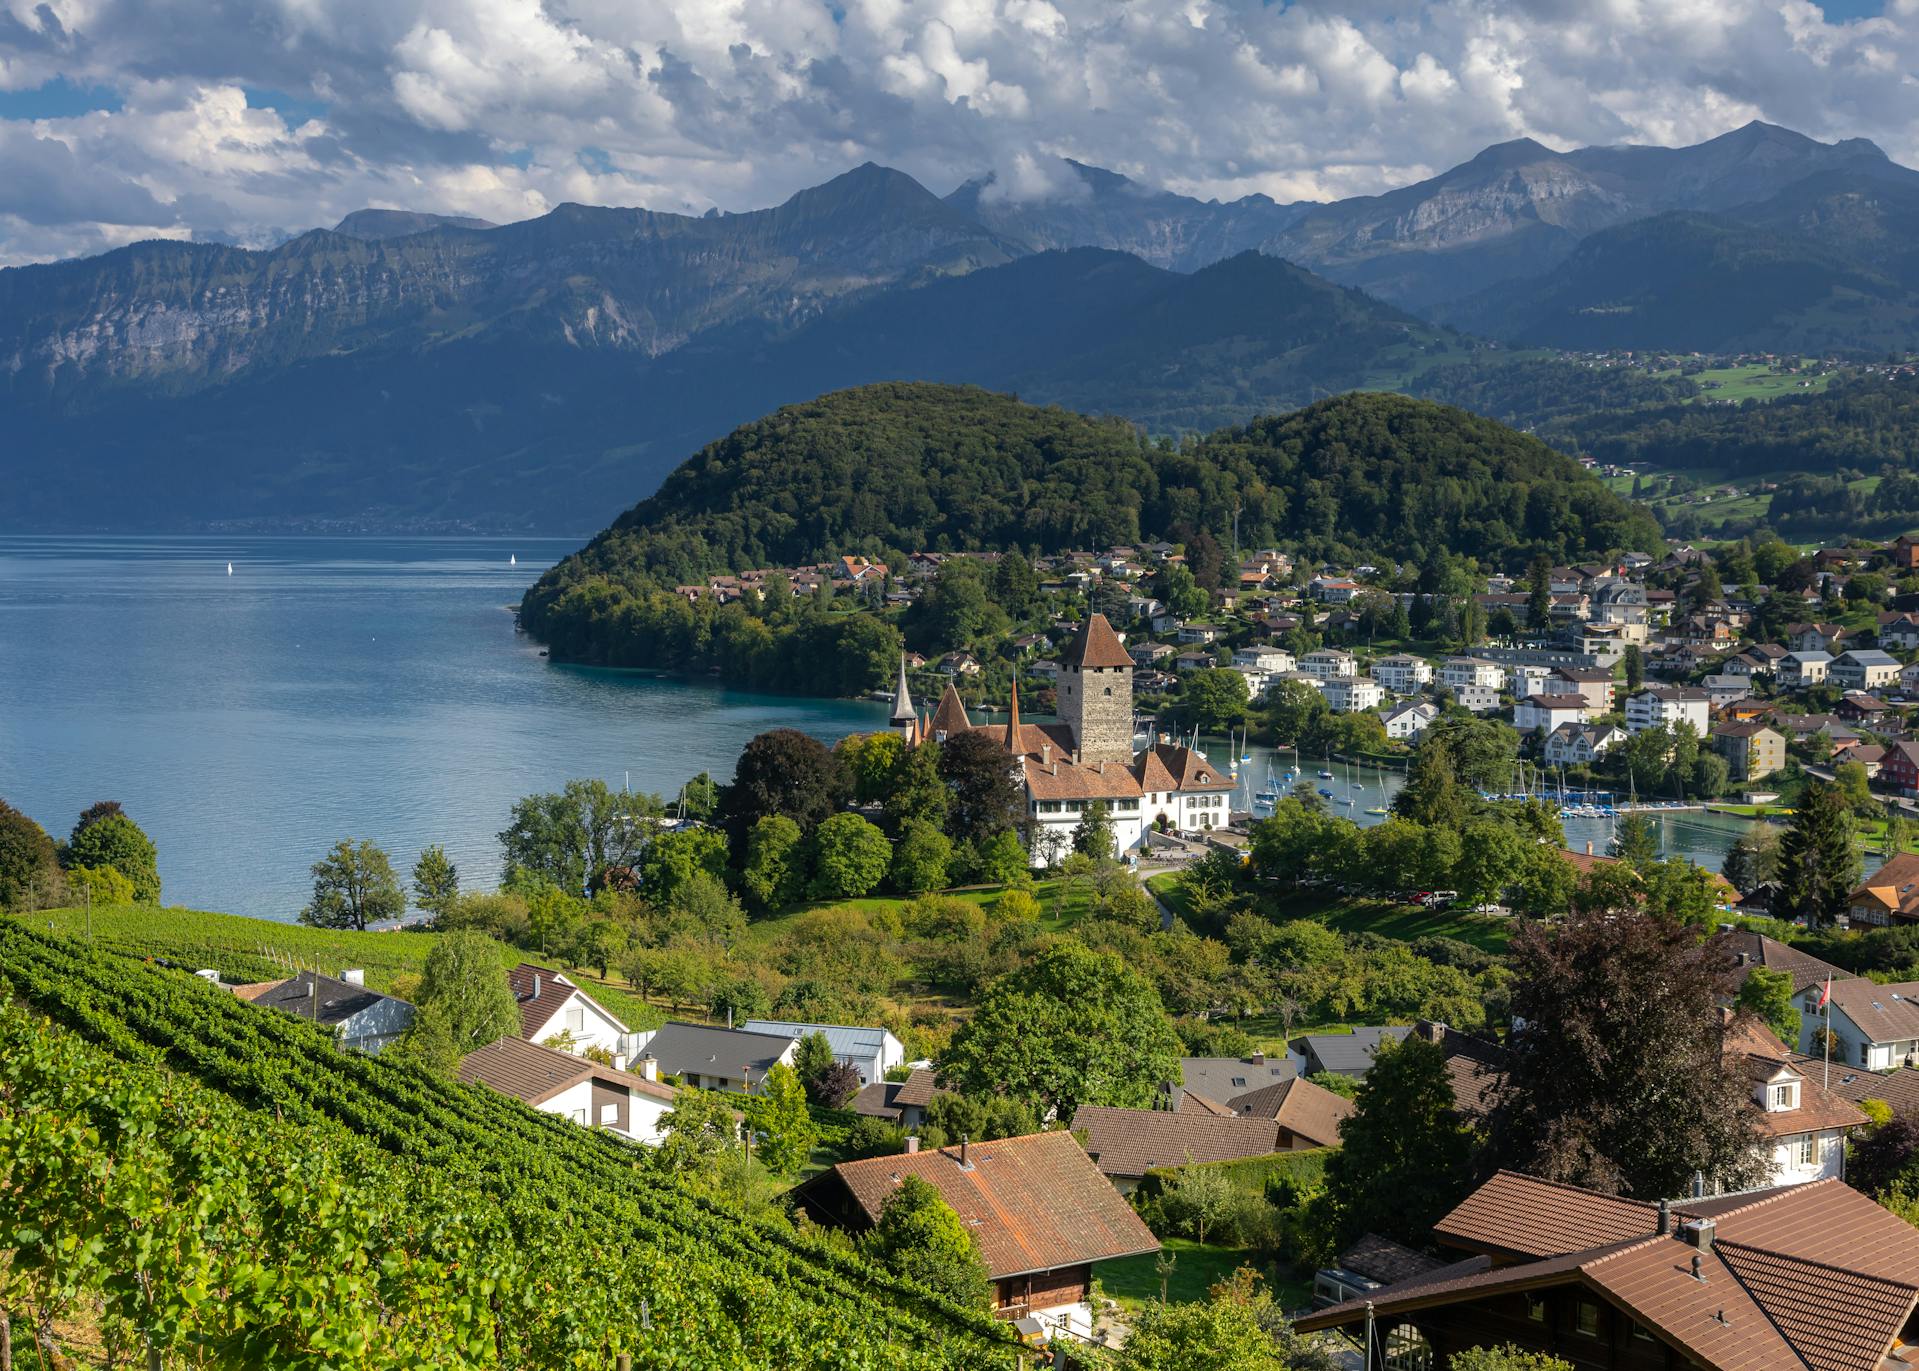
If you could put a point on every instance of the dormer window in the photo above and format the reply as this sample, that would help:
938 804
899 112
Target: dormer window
1782 1096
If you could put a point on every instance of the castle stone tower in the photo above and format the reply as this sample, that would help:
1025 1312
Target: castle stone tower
1095 693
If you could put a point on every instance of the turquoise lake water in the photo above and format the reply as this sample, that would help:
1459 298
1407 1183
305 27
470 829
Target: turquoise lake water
366 688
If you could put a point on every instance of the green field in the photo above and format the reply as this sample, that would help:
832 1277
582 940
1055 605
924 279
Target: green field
1197 1267
1488 932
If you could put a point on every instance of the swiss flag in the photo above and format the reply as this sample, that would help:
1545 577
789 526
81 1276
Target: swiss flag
1825 994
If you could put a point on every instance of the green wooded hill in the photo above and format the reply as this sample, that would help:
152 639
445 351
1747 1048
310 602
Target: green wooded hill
909 466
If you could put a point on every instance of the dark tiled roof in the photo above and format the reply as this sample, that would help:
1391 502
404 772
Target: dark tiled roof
535 1074
1900 1088
536 1010
917 1089
1221 1078
1528 1217
1348 1052
1386 1261
1131 1142
1884 1013
335 1002
1311 1111
1804 968
1035 1203
680 1048
889 1099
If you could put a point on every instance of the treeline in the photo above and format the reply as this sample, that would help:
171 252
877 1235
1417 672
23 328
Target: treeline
889 469
1533 392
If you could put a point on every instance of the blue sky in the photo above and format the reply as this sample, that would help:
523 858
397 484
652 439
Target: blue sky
247 120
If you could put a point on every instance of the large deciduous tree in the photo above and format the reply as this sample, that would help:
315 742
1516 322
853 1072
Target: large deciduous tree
1071 1027
920 1237
29 871
572 837
353 886
985 796
786 772
850 857
105 836
1617 1077
464 1000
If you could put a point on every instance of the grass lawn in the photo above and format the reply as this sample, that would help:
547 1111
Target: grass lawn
1488 932
1197 1267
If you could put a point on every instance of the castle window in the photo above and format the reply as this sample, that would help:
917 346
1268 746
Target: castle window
1109 691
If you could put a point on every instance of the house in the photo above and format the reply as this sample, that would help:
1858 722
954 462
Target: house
1342 1054
1545 713
1351 694
1127 1143
1581 744
556 1012
1530 678
1857 707
1873 1026
1899 629
1220 1079
1328 662
1748 1282
1408 718
717 1058
362 1020
1871 756
586 1092
1263 657
1402 673
1753 751
1751 950
1900 768
1667 706
1307 1115
1814 637
901 1102
1478 699
1148 655
1903 552
1798 670
1595 683
1199 633
1722 690
959 664
1037 1205
1802 1126
870 1051
1615 601
1458 672
1193 659
1333 590
1867 668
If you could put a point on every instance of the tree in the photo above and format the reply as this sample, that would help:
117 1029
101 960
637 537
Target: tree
1635 662
1883 1156
1403 1157
1015 584
812 1059
774 871
29 869
869 759
1634 1000
1432 794
1196 1199
1506 1358
464 1000
1539 593
1753 858
778 1112
436 881
1898 835
698 1128
353 886
921 858
1093 834
918 1236
1767 995
1071 1027
915 791
1002 859
1293 708
572 836
1818 865
1851 780
986 796
672 859
850 857
98 885
1637 841
956 611
105 836
1219 1334
1217 698
785 772
700 798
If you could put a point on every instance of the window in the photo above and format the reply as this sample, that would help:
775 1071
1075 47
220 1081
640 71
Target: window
579 1117
609 1113
1639 1330
1535 1309
576 1019
1809 1150
1783 1095
1865 1051
1587 1321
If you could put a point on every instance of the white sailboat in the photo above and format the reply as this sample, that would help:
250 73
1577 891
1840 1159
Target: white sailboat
229 568
512 559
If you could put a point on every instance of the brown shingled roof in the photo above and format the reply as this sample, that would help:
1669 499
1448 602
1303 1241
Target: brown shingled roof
535 1074
1311 1111
1096 645
1035 1203
1518 1215
1804 968
1131 1142
1063 779
950 718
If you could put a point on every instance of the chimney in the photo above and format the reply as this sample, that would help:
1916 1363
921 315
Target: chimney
912 1143
1045 753
1589 847
1430 1031
536 985
1665 1219
649 1068
1075 756
354 975
619 1061
1699 1232
1259 1059
1740 958
965 1165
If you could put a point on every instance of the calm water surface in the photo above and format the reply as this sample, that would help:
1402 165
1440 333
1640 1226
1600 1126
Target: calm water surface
366 687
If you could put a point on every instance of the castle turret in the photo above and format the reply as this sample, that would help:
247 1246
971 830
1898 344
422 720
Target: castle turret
905 717
1096 694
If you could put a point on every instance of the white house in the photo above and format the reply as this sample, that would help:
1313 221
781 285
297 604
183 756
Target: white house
1669 705
1802 1125
1864 669
1351 694
1595 683
870 1051
557 1013
1456 672
1874 1026
1547 712
1263 657
1477 698
1580 744
592 1095
361 1020
1531 678
1409 718
1328 662
715 1058
1797 670
1334 590
1403 674
1199 633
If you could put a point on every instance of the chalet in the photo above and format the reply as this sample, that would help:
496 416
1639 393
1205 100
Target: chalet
1891 894
1200 633
1544 713
1581 744
1148 655
1753 750
959 664
870 1051
594 1096
557 1013
717 1058
1733 1283
1860 708
1037 1205
1903 552
360 1020
1867 668
1814 637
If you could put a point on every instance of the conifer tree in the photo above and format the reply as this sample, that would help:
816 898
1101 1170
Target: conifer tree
1818 864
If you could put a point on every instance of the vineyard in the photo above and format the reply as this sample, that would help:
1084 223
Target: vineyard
267 1200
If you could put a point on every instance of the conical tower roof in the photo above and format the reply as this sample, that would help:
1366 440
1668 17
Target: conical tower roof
1096 645
950 718
903 712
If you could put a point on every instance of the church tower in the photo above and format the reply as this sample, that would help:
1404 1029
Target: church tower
1095 692
905 719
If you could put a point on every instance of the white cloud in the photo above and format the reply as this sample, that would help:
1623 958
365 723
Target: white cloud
505 108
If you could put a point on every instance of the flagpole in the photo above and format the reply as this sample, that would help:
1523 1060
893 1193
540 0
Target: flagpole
1826 1001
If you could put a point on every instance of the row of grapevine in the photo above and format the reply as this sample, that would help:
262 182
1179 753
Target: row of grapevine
593 1251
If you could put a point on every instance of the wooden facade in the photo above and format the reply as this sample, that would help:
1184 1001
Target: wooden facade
1015 1295
1570 1322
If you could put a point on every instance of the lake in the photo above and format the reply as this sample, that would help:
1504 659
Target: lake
328 688
368 688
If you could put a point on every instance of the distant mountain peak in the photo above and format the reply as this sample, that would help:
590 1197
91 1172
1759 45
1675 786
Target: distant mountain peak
1516 152
372 225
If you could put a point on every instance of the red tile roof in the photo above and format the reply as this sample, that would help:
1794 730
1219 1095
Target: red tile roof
1096 646
1035 1203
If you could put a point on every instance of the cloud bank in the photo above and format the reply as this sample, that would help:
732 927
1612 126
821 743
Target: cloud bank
243 120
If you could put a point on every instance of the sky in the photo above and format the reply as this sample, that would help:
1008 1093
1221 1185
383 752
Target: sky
244 121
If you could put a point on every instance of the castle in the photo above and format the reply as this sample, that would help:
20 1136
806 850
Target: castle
1088 755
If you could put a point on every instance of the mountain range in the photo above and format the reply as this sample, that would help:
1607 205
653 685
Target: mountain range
426 370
